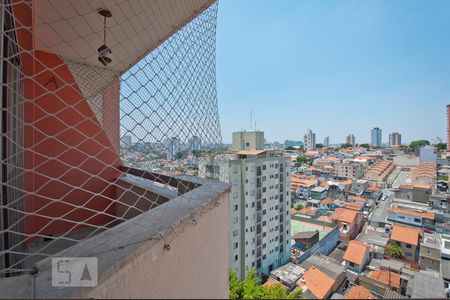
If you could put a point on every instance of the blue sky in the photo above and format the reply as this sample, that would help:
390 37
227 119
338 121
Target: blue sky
337 67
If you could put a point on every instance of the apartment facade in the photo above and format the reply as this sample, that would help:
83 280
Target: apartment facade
310 140
349 170
376 137
395 139
260 202
351 140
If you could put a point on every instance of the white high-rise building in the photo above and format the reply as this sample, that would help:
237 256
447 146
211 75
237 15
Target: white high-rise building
310 140
260 203
326 141
395 139
351 140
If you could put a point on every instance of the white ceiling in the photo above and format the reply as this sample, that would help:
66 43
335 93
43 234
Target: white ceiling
74 29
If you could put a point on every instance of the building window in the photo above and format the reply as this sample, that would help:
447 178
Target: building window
236 207
235 195
235 233
352 264
235 221
236 257
408 246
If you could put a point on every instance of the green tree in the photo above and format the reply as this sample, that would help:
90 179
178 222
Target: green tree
251 288
393 250
419 143
302 160
319 146
298 206
290 148
346 146
442 146
367 146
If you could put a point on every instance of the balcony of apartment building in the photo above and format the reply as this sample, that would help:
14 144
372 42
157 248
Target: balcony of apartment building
91 93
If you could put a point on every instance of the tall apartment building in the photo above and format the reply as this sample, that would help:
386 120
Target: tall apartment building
326 141
260 205
310 140
173 146
194 145
395 139
350 140
376 137
349 170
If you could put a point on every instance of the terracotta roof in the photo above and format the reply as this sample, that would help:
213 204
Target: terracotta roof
383 277
381 167
358 199
327 201
344 215
422 186
425 169
406 186
324 219
404 234
250 152
359 292
354 206
355 252
373 189
424 215
317 282
272 282
307 211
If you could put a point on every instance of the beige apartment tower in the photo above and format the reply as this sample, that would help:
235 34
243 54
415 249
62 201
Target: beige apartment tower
248 140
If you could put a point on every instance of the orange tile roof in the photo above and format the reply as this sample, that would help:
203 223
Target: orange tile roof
404 234
424 215
425 169
422 186
358 199
383 277
355 252
317 282
354 206
359 292
250 152
373 189
344 215
324 219
381 167
272 282
406 186
307 211
327 201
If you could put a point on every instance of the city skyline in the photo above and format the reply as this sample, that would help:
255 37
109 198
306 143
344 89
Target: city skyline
378 74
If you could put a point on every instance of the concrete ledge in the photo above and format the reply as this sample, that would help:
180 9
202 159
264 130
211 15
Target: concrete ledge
120 247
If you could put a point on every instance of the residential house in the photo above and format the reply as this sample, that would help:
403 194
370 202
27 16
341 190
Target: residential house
348 221
359 292
325 204
387 278
316 284
359 186
357 200
410 217
408 239
318 193
307 212
304 240
356 256
355 206
416 192
430 252
287 275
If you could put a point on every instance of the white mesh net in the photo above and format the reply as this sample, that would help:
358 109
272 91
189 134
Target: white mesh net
85 146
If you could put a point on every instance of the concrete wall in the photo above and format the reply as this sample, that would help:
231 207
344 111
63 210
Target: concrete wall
195 267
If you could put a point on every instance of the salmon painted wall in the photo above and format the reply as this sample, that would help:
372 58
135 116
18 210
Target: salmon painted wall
70 162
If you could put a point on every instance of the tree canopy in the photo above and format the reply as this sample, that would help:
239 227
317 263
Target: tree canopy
289 148
251 288
367 146
393 250
442 146
346 145
419 143
319 146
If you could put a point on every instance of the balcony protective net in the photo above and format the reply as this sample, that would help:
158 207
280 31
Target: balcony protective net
88 143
